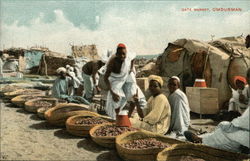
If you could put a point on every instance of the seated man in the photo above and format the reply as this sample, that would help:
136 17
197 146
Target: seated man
232 136
61 85
240 97
89 73
180 111
156 116
61 88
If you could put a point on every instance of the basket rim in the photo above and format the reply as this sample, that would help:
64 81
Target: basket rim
71 119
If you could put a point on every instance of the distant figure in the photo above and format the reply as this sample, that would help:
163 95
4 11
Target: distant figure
1 64
89 75
156 115
247 43
75 80
62 84
180 111
240 96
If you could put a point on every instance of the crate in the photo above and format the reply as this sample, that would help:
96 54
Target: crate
203 100
142 83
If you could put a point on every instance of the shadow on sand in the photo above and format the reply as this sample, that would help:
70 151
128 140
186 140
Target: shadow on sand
89 145
62 133
43 126
109 156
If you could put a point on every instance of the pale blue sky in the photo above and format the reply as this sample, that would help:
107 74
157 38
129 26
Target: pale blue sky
147 26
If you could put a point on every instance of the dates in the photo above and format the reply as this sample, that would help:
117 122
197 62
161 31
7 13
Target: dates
112 130
148 143
42 104
189 158
90 121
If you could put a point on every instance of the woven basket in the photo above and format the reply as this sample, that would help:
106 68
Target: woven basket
141 154
10 95
105 141
176 152
80 130
30 105
59 114
8 88
41 111
21 99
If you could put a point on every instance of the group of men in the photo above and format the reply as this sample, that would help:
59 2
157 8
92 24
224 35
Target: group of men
159 114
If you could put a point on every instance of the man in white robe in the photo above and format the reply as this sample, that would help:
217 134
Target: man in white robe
180 111
231 136
119 78
1 64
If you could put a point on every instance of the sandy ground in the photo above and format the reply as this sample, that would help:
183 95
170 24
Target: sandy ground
25 137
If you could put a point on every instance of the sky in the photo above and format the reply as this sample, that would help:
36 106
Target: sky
146 27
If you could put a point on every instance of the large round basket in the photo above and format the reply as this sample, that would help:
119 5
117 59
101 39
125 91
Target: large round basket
31 106
79 129
8 88
198 151
141 154
41 111
105 141
21 99
10 95
59 114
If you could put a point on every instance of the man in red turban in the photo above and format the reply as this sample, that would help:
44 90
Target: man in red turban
240 97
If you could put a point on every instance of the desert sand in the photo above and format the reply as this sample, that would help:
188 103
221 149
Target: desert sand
26 137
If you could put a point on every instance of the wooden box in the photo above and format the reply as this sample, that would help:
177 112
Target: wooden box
142 83
203 100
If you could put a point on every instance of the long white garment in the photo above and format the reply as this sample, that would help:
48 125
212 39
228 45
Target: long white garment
235 104
60 88
118 84
180 112
230 135
1 68
88 86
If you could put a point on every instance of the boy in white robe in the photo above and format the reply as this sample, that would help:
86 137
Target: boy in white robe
180 111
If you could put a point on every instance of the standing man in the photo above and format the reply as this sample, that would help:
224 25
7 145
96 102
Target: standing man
89 74
119 67
1 64
180 111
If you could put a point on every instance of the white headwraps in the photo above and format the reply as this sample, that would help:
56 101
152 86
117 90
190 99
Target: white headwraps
61 69
177 78
106 55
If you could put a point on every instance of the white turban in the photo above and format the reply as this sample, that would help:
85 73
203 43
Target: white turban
177 78
61 69
67 66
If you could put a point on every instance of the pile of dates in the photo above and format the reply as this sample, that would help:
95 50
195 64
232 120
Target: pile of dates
189 158
112 130
43 104
148 143
90 121
26 98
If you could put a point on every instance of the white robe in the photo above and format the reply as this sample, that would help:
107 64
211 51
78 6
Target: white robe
180 112
1 68
235 104
230 135
124 85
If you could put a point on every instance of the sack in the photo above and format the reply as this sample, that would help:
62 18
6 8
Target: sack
178 152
